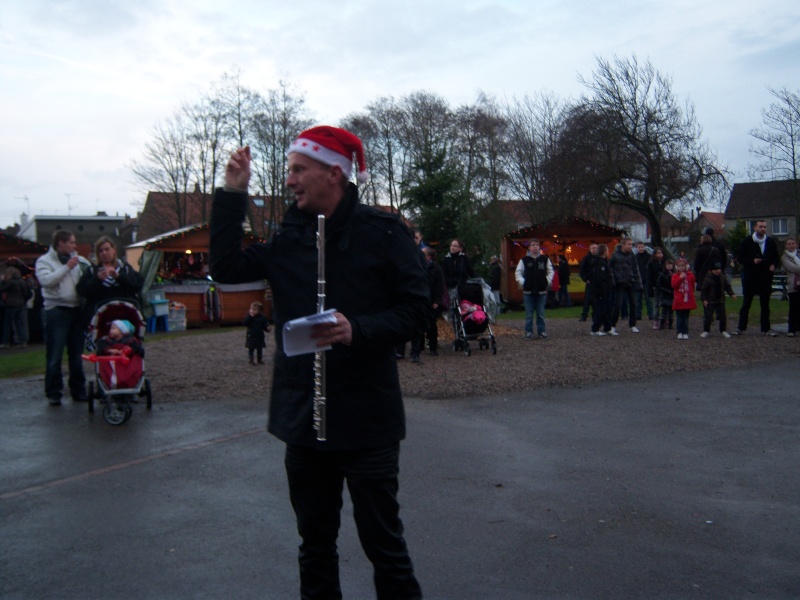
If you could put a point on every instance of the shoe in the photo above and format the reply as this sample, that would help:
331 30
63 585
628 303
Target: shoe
634 329
679 336
600 333
612 331
261 362
528 336
656 326
726 335
704 335
790 334
686 336
582 319
543 335
54 401
737 332
415 358
771 333
252 362
80 397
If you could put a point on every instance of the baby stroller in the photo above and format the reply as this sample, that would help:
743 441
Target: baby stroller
473 309
119 379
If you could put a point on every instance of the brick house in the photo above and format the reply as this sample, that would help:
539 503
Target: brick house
775 202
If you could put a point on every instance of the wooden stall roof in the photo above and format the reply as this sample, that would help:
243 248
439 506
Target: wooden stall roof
564 229
192 237
26 250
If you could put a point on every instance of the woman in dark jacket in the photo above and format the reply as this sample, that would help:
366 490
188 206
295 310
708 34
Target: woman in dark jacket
110 279
456 266
16 294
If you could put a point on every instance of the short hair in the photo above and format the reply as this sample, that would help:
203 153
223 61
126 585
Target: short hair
705 239
257 306
62 235
103 239
668 261
602 249
532 240
637 242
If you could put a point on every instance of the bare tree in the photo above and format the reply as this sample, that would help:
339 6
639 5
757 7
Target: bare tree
167 166
645 152
206 122
532 128
777 142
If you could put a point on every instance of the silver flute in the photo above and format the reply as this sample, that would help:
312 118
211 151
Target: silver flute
320 407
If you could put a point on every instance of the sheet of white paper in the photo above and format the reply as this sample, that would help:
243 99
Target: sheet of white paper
297 333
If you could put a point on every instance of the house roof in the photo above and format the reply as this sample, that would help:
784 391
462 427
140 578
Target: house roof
174 239
762 199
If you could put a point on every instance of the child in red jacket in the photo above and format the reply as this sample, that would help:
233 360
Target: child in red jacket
683 301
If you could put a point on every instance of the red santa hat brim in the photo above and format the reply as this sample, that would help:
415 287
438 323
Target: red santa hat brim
333 147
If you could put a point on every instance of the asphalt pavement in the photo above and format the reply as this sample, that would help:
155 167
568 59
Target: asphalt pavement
680 486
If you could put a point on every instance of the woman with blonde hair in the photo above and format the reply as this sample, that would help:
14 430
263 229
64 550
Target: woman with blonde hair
109 279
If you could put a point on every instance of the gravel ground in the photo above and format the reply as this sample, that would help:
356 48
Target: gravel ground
215 364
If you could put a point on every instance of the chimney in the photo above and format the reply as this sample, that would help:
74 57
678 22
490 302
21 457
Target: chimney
23 221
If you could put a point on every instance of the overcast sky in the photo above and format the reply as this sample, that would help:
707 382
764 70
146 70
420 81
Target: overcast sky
85 81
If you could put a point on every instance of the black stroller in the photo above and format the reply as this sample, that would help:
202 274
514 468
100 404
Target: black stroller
119 379
473 309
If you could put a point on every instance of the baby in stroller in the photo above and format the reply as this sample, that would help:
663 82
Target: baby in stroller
117 329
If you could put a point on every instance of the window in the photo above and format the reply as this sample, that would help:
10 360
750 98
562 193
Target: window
101 228
780 226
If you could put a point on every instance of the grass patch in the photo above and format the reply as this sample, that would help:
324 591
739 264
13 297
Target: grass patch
22 363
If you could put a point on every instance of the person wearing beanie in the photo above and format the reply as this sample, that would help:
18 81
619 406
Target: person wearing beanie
377 286
120 340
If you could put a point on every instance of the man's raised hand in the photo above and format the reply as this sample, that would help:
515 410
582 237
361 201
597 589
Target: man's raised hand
237 171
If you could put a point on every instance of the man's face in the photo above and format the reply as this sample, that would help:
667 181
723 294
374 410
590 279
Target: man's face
593 248
67 247
760 228
627 246
640 248
315 186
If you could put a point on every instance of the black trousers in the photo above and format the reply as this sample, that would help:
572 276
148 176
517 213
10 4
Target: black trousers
718 309
621 294
755 286
315 487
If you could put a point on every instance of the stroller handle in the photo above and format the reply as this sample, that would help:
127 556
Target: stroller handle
93 358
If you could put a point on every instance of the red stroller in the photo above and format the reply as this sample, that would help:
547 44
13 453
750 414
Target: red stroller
119 379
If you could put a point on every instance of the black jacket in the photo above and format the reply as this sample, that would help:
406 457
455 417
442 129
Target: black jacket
758 274
374 278
257 326
625 269
91 287
586 267
457 269
600 278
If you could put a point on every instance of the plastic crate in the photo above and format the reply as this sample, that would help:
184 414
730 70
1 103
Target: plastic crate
176 324
154 296
177 311
160 307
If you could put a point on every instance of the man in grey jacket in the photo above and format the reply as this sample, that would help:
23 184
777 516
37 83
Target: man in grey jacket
58 273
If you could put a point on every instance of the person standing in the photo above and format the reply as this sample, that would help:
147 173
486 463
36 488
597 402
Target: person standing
110 279
585 273
625 273
654 268
642 299
16 294
790 259
456 266
534 274
377 285
58 272
705 256
601 291
255 339
712 294
683 299
758 255
436 287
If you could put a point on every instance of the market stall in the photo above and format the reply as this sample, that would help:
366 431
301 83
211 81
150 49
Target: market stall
176 264
570 237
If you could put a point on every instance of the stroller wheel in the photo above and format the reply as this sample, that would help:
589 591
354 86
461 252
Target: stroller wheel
90 396
115 413
467 351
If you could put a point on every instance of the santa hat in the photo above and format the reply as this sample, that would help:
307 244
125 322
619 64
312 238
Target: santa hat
126 327
334 147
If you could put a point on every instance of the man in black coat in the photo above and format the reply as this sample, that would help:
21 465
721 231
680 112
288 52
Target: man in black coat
585 273
376 284
759 257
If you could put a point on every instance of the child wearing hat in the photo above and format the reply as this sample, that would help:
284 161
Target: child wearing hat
712 293
120 340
